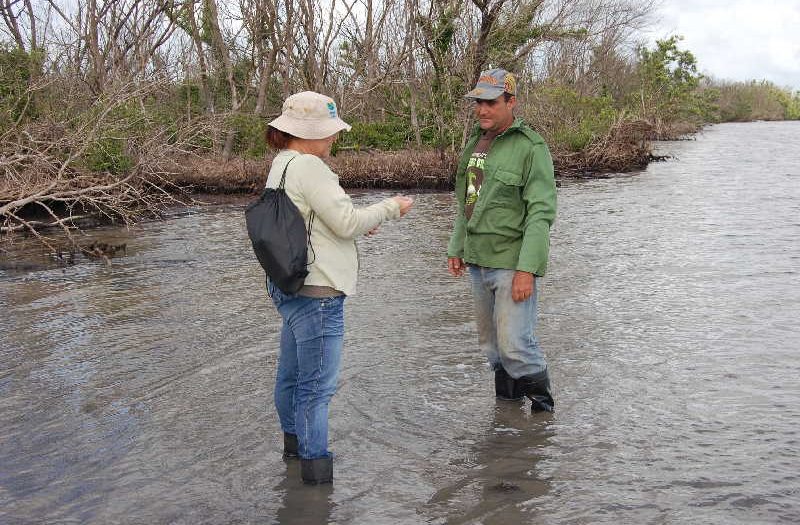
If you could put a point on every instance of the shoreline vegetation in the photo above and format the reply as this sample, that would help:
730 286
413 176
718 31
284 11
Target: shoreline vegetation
124 109
626 148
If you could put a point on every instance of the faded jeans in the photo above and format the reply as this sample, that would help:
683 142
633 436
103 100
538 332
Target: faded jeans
308 367
506 329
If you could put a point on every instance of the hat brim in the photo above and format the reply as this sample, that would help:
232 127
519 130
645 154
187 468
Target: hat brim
310 128
483 93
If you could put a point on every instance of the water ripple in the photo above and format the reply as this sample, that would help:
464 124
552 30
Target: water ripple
142 391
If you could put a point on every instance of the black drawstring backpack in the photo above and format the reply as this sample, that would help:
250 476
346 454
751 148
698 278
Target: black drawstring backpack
279 236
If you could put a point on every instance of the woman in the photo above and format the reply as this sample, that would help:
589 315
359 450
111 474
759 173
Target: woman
313 318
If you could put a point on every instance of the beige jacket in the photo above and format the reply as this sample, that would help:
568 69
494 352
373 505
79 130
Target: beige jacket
313 186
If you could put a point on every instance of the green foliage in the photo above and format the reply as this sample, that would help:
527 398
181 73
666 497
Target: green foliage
788 101
443 109
125 125
182 13
442 31
738 109
519 28
505 39
250 130
17 68
746 101
573 121
670 92
706 102
576 138
188 96
668 79
392 134
662 84
793 107
108 155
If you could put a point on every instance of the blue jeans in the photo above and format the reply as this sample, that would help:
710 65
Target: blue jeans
506 329
308 367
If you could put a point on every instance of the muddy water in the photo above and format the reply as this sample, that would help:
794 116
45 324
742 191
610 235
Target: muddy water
141 392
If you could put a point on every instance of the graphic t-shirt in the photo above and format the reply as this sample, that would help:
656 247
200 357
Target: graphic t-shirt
475 171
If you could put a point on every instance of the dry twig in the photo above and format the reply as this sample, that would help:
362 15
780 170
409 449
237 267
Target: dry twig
45 182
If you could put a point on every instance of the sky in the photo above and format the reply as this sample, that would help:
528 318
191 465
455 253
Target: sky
736 40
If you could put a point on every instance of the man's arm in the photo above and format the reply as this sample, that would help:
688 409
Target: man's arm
539 198
455 248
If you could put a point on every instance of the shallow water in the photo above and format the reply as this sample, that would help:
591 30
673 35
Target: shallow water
141 392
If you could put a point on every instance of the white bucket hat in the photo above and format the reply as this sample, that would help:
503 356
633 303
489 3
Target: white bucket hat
309 115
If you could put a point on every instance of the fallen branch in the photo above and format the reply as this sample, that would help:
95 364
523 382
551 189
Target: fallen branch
46 182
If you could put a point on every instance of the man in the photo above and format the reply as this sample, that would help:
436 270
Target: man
506 197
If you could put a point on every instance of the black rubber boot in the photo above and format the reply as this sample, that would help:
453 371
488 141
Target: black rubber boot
537 388
506 387
316 471
290 446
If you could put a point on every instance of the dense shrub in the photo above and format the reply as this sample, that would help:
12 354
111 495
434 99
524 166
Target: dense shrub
250 130
108 155
746 101
17 69
392 134
568 120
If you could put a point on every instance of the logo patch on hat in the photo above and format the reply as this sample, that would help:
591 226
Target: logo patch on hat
510 84
493 83
332 109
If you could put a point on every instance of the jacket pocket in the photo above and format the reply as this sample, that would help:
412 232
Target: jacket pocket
507 188
499 210
509 178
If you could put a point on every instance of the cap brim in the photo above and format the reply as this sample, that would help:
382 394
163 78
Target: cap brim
485 93
310 129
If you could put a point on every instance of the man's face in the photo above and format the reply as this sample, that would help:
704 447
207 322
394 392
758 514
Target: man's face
495 115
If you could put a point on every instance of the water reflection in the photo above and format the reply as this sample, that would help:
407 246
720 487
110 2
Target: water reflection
501 471
303 504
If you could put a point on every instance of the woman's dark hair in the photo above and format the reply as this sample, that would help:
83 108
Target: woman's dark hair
278 139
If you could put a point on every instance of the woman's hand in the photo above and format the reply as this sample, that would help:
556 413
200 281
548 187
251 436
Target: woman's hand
404 202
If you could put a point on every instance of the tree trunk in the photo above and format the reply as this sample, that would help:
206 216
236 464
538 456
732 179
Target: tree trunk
205 92
222 56
6 9
96 76
411 70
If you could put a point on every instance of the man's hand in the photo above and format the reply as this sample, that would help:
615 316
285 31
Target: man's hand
522 286
455 265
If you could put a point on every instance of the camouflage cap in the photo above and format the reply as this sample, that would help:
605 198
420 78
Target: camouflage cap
493 83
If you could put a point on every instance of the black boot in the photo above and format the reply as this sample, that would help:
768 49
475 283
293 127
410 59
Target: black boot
316 471
537 388
505 386
290 445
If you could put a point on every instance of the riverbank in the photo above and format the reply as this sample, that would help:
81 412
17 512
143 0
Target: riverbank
426 169
627 148
34 201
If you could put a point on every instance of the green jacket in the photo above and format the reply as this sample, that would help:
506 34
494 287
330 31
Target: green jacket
510 224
